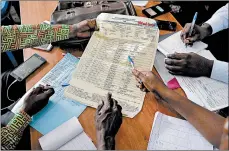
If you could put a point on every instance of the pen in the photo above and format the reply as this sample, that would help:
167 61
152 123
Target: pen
192 26
132 64
65 85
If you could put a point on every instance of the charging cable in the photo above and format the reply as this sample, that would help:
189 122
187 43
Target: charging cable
8 91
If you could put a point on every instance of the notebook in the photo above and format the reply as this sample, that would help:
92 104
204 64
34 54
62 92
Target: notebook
170 133
68 136
174 44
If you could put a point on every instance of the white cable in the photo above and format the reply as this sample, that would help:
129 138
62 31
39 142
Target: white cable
8 90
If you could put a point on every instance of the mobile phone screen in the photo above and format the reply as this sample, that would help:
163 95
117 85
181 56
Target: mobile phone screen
28 67
156 10
151 12
166 25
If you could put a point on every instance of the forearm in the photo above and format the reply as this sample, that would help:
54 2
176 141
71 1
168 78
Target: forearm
208 123
25 36
12 133
105 143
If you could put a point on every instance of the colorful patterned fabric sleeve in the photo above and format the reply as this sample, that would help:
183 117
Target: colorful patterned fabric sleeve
25 36
12 133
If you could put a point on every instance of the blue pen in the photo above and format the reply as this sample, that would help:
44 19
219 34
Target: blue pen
192 25
65 85
132 64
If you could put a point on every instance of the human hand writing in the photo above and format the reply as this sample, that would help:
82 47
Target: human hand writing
108 121
37 99
198 33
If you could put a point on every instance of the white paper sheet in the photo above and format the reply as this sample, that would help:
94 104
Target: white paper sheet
68 136
104 66
169 133
206 92
159 64
174 44
81 142
139 3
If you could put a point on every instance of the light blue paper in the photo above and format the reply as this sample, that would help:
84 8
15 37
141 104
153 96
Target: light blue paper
59 109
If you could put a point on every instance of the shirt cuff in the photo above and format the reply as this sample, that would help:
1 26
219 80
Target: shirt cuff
20 121
213 22
220 71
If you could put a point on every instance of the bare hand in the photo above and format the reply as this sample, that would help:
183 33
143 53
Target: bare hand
189 64
37 99
108 121
83 29
198 33
149 81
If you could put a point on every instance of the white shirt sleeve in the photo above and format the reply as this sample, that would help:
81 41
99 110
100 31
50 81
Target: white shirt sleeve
220 71
219 19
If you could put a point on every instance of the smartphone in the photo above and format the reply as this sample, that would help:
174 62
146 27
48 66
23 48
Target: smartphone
166 25
28 67
46 47
156 10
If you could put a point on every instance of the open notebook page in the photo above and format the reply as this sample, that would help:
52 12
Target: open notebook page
68 136
174 44
170 133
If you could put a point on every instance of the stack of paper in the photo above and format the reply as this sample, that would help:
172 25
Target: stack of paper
169 133
68 136
204 91
59 109
104 66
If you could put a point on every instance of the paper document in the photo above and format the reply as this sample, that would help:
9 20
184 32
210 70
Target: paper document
206 92
159 64
174 44
59 109
104 65
170 133
139 3
68 136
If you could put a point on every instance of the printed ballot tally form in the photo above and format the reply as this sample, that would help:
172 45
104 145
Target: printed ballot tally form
104 65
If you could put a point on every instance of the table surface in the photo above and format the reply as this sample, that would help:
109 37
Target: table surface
134 133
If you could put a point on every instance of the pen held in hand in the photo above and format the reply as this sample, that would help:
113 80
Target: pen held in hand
132 64
192 26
